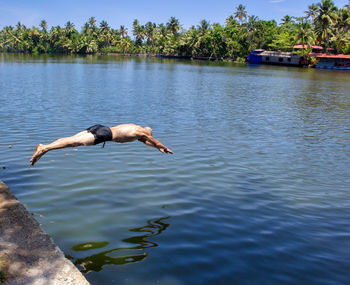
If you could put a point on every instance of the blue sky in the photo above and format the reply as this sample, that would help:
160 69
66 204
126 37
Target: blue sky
123 12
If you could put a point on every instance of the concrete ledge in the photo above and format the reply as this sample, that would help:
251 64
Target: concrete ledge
27 254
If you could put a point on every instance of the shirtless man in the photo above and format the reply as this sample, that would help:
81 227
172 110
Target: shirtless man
98 134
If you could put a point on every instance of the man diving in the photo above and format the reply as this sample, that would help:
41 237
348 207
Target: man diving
97 134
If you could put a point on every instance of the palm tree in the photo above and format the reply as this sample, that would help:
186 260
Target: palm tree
203 27
34 35
12 41
43 25
104 27
189 42
92 22
173 25
202 38
93 30
161 38
69 27
341 36
241 13
343 20
123 31
104 37
86 29
286 20
20 27
138 31
125 44
304 34
323 24
251 28
340 40
87 45
216 45
325 20
230 21
150 33
311 12
54 34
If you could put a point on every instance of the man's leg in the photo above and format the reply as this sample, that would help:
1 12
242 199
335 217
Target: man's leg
82 138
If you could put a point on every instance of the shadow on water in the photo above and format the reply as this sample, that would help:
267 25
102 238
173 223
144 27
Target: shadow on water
106 59
96 261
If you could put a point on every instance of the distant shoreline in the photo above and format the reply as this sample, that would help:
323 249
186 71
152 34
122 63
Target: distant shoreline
165 56
324 24
308 63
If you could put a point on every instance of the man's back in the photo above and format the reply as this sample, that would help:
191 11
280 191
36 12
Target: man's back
126 133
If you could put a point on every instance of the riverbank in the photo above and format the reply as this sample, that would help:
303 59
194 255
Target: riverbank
27 254
151 55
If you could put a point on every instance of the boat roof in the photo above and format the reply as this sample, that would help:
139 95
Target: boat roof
277 53
324 55
306 46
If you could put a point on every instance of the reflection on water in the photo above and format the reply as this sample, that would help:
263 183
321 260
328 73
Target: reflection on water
96 261
257 191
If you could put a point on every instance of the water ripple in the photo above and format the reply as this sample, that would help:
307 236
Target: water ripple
256 192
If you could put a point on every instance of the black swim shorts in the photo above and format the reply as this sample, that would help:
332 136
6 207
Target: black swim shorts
101 133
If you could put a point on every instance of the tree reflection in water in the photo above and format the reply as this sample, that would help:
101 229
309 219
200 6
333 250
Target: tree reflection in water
96 262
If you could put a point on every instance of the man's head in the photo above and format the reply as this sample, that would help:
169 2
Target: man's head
148 130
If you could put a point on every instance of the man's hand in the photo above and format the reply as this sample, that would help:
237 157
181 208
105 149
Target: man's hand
165 150
151 141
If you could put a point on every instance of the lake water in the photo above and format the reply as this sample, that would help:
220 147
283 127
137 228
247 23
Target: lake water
257 192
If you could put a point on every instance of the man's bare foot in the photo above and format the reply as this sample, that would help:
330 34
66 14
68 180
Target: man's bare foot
38 153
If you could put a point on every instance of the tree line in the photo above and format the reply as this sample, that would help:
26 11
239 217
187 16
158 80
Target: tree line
323 24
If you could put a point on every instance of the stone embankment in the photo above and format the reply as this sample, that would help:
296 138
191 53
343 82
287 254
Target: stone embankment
27 254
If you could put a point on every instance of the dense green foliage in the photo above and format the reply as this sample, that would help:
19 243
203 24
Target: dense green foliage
324 24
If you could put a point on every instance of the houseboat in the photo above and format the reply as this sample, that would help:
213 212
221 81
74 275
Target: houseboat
260 56
332 61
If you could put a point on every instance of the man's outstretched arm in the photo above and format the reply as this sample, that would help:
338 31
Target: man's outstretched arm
151 141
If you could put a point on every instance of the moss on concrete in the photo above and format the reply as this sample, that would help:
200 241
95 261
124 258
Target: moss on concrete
28 254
